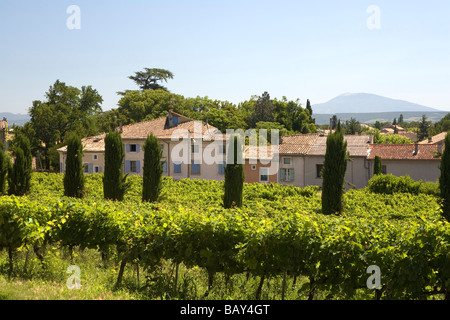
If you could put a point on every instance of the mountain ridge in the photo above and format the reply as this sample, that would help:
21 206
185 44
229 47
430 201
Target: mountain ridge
367 103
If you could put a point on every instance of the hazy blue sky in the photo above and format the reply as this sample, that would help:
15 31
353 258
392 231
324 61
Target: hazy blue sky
228 50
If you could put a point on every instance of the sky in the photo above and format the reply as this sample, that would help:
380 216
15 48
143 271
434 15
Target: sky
228 50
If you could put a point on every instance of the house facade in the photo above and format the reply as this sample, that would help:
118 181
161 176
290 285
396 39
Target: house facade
419 161
196 150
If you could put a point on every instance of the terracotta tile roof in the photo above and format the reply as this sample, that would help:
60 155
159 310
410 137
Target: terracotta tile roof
158 127
403 152
91 144
439 138
260 152
297 144
357 146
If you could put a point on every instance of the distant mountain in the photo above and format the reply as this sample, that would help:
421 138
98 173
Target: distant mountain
370 118
367 103
15 119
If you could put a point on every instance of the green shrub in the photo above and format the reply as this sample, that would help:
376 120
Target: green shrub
389 184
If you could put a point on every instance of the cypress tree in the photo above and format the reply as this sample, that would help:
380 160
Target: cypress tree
153 169
234 176
377 169
444 179
74 176
4 166
19 174
114 182
333 172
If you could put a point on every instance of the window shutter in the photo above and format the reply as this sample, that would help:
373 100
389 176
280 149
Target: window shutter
127 166
138 146
90 168
165 166
291 174
282 174
99 169
138 166
128 147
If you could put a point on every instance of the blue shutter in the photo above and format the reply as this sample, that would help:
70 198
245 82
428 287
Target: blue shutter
221 168
291 174
127 147
282 173
99 169
90 168
165 166
127 166
138 166
138 147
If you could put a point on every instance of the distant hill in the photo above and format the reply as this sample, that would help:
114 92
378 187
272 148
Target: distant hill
367 103
15 119
370 118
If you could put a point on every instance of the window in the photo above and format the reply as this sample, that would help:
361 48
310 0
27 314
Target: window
287 174
222 167
287 160
264 175
177 167
132 166
319 170
253 166
175 120
195 148
133 148
95 157
98 169
195 167
164 166
222 149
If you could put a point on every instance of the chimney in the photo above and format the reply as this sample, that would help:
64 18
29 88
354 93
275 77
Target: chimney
416 148
430 139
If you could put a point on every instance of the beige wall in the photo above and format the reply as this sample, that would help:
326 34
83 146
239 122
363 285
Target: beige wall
356 173
208 171
298 164
425 170
88 159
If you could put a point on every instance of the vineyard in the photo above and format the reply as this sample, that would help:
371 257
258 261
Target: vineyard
278 245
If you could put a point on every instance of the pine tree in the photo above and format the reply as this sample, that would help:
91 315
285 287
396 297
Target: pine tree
74 176
234 176
377 169
153 169
334 168
444 179
114 182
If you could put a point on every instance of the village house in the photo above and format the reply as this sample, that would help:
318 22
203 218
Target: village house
191 149
419 161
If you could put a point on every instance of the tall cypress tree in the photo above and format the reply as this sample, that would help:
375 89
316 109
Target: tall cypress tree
234 176
153 169
4 166
74 176
377 169
114 182
333 172
444 179
19 174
